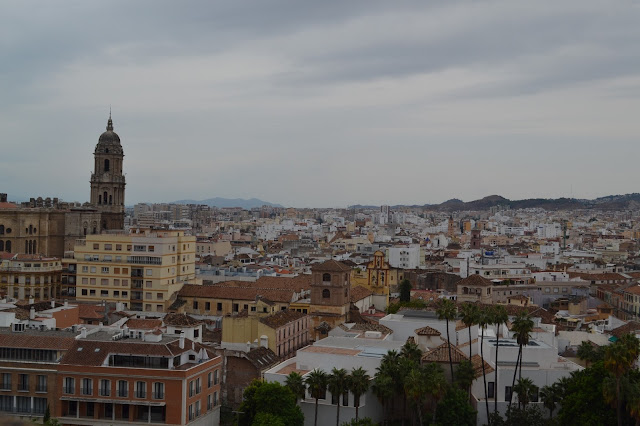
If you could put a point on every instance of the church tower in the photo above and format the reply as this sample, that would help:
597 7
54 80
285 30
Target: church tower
107 180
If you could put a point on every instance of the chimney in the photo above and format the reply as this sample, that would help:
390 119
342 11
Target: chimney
53 303
264 341
32 314
83 333
31 300
66 303
181 340
248 346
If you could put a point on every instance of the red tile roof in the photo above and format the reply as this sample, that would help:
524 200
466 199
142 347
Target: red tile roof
475 280
441 354
427 331
331 266
143 324
237 293
359 292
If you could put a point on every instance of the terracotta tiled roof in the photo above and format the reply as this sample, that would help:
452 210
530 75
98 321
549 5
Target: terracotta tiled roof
359 292
475 280
93 352
630 327
237 293
427 331
331 266
372 326
262 358
91 311
143 324
31 341
281 318
441 354
176 319
460 325
606 276
476 361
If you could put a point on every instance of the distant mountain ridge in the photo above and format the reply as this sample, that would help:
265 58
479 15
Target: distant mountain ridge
609 202
230 202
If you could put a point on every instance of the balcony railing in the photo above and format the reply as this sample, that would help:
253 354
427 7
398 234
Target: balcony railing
86 391
41 388
5 386
69 390
105 392
123 393
141 394
23 387
158 395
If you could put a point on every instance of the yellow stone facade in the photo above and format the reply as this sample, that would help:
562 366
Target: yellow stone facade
142 270
379 277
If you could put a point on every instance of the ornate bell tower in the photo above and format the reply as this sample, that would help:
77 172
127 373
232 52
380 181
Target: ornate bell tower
107 180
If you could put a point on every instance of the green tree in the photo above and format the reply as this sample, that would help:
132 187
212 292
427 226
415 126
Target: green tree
405 290
383 388
269 398
415 387
619 358
469 317
338 384
522 326
525 390
483 321
447 311
295 382
436 384
550 396
316 382
267 419
455 410
498 315
411 351
588 353
358 385
365 421
582 401
465 375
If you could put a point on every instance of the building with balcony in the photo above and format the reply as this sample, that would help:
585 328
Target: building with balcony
109 378
25 276
143 270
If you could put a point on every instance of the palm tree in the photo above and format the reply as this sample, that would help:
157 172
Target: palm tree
390 366
483 321
525 390
295 382
498 316
550 396
411 351
415 386
619 358
521 327
447 312
436 384
469 317
383 388
358 385
338 383
465 375
586 352
316 382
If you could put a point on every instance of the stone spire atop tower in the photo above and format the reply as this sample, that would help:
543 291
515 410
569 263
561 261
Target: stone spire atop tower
110 122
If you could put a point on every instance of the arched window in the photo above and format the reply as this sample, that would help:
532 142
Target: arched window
7 246
1 245
326 293
30 229
85 230
106 165
326 277
104 197
27 246
34 250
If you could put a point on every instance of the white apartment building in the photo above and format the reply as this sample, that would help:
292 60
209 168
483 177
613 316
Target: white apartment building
404 257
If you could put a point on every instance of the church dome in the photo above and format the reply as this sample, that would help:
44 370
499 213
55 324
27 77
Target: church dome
109 141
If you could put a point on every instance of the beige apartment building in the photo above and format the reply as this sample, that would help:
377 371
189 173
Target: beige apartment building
143 269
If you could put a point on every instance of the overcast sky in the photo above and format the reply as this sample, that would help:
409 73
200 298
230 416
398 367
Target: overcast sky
324 103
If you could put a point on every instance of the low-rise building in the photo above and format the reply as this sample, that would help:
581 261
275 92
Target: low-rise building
24 276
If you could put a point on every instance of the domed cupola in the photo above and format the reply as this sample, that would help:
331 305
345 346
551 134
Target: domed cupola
109 141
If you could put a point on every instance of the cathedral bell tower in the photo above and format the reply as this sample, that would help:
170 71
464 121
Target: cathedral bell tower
107 180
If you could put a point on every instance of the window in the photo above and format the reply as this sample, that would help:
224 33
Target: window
87 387
39 405
152 248
118 247
23 382
147 295
326 294
198 385
141 390
149 271
139 248
104 281
209 402
197 408
90 407
6 381
345 399
85 269
41 383
116 293
107 246
105 269
491 389
93 269
123 388
195 304
96 246
84 292
207 305
235 307
92 292
158 390
105 387
104 293
192 388
216 377
190 412
326 278
219 307
209 379
215 399
507 393
149 284
116 282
